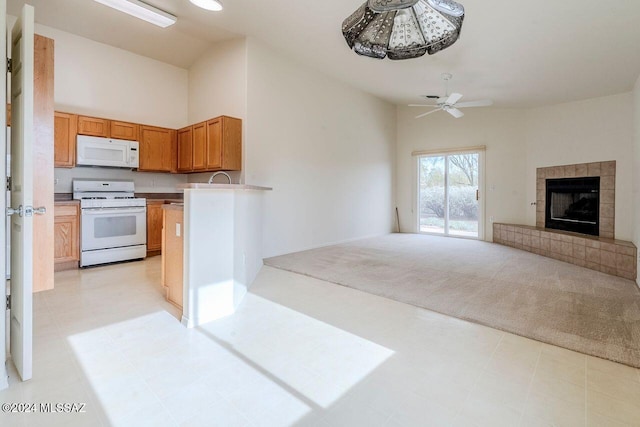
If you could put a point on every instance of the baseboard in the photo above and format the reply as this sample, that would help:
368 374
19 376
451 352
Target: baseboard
339 242
153 253
69 265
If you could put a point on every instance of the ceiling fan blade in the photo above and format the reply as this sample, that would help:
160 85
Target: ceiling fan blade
481 103
422 105
453 98
427 113
455 112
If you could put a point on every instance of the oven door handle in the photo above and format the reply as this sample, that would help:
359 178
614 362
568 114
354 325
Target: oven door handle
113 211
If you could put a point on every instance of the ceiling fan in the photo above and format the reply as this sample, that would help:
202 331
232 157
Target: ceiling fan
450 103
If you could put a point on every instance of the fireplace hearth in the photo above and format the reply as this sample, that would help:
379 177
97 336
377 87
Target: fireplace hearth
573 204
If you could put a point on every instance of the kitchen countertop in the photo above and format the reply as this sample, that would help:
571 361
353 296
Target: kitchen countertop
163 201
205 186
66 202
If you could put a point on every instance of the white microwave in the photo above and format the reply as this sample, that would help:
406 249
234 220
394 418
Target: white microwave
115 153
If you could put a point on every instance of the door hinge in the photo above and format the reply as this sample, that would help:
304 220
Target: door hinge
8 302
8 183
9 65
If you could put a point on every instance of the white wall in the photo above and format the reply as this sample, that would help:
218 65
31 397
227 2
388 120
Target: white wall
594 130
502 133
218 86
636 167
326 149
96 79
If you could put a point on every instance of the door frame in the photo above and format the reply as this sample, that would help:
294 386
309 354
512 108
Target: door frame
3 205
481 188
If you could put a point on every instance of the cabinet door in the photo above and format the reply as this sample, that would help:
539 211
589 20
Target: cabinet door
66 232
154 226
185 149
64 137
157 147
214 144
231 144
93 126
123 130
200 146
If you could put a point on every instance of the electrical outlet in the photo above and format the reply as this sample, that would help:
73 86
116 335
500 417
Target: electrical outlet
491 219
56 181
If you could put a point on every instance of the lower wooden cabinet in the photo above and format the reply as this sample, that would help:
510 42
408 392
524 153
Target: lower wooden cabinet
154 226
67 235
172 253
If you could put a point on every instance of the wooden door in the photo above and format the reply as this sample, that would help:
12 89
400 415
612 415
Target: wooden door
43 162
93 126
200 146
64 139
154 226
157 147
214 144
66 233
22 183
123 130
185 149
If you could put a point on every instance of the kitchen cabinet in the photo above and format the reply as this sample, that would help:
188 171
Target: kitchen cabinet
185 149
154 226
93 126
200 147
64 139
157 148
224 144
211 146
123 130
66 235
172 253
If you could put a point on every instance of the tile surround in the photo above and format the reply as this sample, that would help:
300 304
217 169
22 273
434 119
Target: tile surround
607 173
609 256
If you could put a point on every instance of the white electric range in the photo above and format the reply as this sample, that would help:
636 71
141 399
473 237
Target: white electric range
113 222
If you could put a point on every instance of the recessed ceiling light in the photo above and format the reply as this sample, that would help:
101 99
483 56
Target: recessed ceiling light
215 5
142 11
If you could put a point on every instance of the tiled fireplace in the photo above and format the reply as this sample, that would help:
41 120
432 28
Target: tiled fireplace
581 198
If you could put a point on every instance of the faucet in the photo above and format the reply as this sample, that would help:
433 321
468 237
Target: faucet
219 173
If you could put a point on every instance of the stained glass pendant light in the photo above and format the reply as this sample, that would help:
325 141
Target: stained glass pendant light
403 29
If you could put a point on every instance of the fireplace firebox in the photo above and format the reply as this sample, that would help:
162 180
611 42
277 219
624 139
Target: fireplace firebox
573 204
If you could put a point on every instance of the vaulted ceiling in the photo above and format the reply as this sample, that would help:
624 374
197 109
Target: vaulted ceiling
521 54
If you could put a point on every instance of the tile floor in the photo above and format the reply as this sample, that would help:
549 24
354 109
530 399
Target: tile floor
299 352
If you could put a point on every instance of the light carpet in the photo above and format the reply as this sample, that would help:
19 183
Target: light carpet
490 284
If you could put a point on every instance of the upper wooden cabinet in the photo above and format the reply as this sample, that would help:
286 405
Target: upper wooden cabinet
211 146
224 144
185 149
123 130
200 146
93 126
64 137
157 148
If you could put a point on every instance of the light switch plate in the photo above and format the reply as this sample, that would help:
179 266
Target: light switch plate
178 231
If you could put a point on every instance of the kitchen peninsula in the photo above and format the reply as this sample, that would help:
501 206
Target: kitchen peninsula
222 244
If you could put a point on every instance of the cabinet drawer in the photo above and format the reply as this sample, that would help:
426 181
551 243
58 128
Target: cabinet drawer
66 210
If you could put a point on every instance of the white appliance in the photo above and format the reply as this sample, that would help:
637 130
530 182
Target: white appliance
116 153
113 222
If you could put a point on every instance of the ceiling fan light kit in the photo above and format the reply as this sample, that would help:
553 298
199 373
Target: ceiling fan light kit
213 5
403 29
142 10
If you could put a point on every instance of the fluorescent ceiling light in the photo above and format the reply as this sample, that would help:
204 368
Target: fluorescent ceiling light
142 11
215 5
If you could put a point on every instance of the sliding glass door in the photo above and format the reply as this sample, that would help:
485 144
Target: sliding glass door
448 194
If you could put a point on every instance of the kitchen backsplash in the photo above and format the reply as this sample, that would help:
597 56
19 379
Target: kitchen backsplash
145 182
